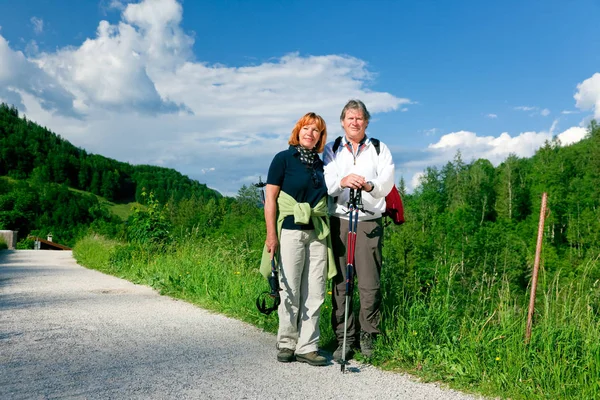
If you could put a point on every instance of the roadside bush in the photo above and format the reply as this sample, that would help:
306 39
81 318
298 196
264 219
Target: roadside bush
25 244
150 225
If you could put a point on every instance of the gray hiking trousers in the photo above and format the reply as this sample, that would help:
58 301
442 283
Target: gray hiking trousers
367 270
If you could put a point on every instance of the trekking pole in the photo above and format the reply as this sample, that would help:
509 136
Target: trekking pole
260 185
352 226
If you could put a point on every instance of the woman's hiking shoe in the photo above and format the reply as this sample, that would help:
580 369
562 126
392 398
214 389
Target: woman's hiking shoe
285 355
312 358
337 354
366 344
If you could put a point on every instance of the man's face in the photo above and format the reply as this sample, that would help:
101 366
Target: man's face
354 125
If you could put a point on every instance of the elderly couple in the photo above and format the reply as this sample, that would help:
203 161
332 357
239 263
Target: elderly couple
310 246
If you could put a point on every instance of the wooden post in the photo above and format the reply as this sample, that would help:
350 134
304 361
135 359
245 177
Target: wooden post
536 267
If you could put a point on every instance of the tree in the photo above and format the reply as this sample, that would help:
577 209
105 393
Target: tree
249 196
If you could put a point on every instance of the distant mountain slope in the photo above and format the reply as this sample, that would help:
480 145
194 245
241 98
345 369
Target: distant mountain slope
28 150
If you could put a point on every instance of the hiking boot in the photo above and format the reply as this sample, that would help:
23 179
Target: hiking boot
312 358
285 355
366 343
337 354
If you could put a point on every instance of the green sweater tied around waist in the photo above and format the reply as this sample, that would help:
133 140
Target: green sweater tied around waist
303 214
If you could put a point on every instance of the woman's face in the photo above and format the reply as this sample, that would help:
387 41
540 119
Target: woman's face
309 136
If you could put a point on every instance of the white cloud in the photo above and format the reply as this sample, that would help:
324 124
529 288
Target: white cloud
525 108
20 75
416 180
38 24
553 126
567 112
588 95
492 116
572 135
496 149
543 112
119 69
116 4
32 48
430 132
143 98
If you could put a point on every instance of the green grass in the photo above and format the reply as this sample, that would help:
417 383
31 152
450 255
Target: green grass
478 345
474 341
121 210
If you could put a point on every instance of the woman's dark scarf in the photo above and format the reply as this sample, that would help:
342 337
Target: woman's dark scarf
307 156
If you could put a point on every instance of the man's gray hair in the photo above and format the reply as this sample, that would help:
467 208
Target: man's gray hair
356 105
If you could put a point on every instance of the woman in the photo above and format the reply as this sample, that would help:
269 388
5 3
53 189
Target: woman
298 237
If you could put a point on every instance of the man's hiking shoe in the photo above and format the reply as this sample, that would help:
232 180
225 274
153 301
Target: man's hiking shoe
312 358
366 344
337 354
285 355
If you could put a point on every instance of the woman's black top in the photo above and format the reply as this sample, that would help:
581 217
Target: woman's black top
306 184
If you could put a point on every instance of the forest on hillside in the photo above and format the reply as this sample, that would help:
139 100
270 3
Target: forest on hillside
29 151
47 185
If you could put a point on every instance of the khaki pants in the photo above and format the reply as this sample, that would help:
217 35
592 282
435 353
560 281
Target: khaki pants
302 277
367 269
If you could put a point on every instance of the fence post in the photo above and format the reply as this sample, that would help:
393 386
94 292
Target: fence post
536 266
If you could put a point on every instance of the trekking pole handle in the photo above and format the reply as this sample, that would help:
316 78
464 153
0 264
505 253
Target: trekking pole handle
359 204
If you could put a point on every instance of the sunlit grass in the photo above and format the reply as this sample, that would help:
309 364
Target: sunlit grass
121 210
482 348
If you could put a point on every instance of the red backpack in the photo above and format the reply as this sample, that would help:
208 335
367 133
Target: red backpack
393 202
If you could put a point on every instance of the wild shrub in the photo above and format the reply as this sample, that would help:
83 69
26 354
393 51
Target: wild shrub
25 244
149 225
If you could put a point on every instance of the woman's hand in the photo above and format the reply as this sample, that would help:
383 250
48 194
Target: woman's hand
272 244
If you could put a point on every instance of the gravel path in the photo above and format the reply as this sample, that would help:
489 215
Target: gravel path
70 332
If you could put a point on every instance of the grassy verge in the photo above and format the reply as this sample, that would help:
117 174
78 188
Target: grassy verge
473 341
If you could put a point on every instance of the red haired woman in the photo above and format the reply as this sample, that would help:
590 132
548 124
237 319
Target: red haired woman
298 237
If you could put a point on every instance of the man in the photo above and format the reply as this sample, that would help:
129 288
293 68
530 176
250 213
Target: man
356 164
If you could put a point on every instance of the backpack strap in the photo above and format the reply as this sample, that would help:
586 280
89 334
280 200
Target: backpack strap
336 144
338 141
376 144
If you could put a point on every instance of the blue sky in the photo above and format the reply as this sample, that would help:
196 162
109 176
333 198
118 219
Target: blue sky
212 89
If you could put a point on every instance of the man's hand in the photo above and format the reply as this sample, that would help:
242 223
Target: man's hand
354 181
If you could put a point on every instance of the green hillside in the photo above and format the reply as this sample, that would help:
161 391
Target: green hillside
29 151
49 185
